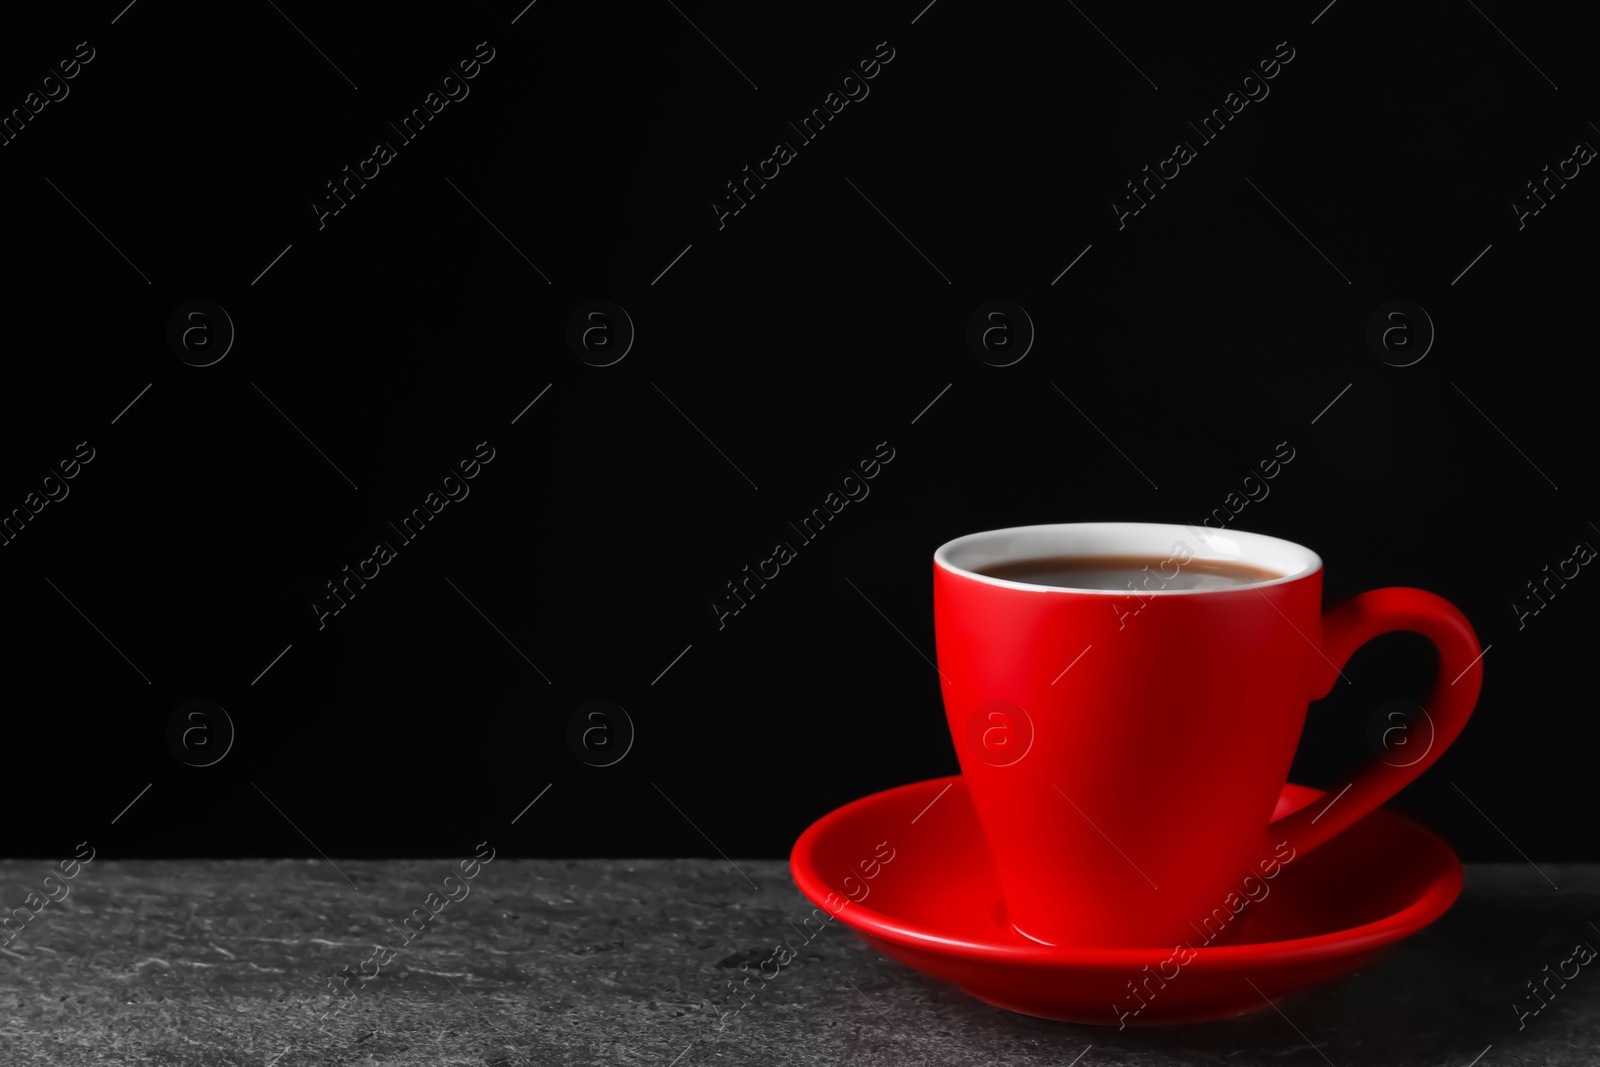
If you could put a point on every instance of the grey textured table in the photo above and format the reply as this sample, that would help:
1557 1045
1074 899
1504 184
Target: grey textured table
627 962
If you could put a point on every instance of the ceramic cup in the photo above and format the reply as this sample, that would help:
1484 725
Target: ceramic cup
1124 749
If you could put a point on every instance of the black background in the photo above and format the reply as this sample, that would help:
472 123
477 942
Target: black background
797 338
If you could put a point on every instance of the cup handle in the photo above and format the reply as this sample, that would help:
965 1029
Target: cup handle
1346 628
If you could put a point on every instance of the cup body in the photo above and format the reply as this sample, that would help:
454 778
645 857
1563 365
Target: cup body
1124 750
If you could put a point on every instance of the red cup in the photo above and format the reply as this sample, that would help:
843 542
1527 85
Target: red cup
1124 749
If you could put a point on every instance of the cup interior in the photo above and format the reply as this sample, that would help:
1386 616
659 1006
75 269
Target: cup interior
967 555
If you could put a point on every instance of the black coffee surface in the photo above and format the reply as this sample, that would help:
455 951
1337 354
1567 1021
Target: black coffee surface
1124 572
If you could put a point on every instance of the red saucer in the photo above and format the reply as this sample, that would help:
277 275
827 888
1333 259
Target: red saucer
935 906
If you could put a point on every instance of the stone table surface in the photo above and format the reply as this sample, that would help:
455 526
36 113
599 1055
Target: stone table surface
190 963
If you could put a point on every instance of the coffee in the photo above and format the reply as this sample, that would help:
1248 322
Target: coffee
1129 572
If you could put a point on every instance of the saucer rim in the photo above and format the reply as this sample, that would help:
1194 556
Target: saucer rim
1441 891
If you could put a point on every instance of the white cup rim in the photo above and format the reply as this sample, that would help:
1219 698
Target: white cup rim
962 555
